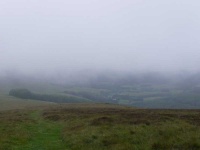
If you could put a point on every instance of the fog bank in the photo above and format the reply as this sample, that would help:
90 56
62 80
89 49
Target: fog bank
48 37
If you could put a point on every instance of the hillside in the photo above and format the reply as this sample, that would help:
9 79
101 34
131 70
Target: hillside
9 103
99 126
136 90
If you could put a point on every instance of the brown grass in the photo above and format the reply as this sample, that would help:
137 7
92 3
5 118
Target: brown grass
107 113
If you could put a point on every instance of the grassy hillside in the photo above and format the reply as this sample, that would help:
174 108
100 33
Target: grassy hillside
58 98
143 92
10 102
139 95
99 126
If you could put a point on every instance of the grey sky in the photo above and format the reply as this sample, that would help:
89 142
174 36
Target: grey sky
148 35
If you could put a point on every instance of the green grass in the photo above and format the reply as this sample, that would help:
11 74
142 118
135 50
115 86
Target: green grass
45 135
29 131
99 127
9 102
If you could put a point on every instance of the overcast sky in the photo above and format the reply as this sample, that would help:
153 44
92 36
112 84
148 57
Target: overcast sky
47 36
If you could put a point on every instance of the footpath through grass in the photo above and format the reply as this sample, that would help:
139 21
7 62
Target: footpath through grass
29 131
99 127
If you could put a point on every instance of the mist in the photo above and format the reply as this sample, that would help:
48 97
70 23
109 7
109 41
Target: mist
48 37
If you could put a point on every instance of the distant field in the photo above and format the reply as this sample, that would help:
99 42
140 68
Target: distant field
136 94
99 127
9 103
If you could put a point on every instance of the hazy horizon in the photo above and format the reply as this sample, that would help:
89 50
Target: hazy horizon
54 37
